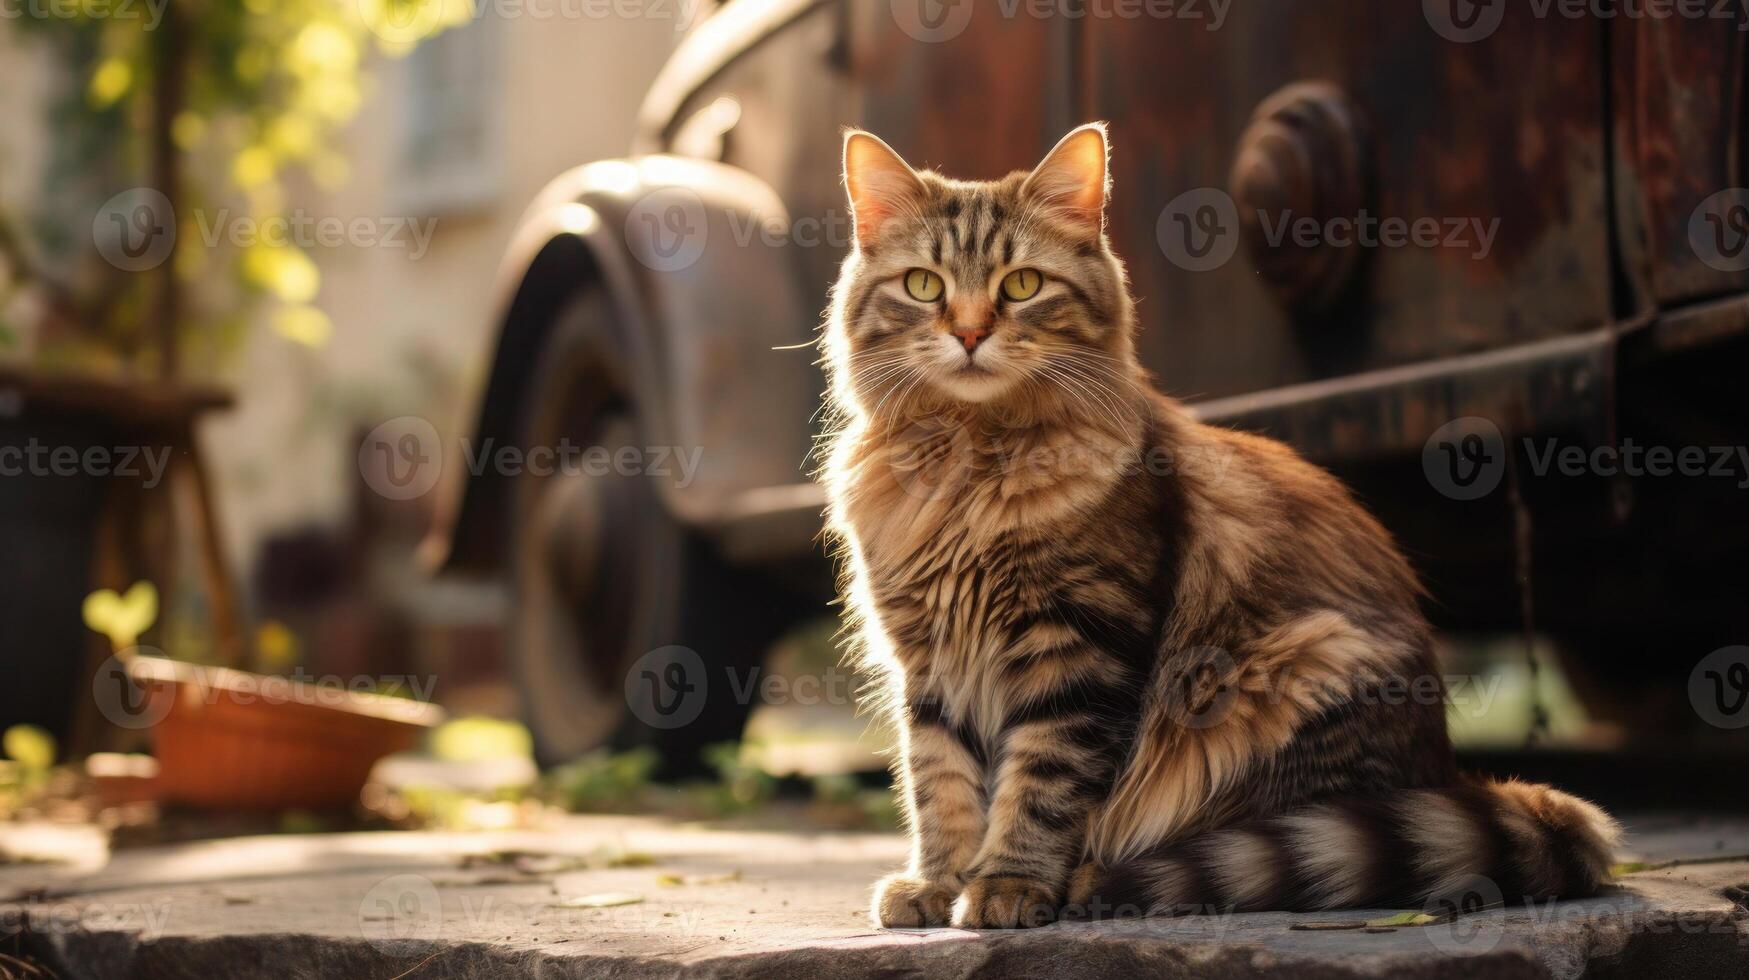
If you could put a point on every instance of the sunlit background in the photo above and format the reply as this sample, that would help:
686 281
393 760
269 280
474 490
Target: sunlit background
401 145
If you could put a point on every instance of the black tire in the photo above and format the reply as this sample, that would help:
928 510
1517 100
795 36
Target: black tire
606 582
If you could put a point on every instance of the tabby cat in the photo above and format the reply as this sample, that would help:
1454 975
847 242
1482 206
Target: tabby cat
1138 664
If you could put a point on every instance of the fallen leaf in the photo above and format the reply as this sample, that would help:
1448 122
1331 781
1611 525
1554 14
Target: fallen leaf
1403 919
601 900
1325 926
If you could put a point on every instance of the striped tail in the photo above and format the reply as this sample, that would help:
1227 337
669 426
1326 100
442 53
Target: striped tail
1474 844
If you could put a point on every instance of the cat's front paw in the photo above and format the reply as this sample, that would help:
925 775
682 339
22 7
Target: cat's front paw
1006 902
902 901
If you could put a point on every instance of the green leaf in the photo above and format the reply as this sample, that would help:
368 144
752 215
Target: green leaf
29 746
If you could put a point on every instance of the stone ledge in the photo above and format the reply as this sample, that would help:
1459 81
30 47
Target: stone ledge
711 903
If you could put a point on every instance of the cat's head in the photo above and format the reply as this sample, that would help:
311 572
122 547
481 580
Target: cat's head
963 293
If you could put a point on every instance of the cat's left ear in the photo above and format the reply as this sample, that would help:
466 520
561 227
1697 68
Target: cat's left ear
1074 177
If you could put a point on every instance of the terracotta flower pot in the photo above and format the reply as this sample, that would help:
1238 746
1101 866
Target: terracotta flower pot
232 739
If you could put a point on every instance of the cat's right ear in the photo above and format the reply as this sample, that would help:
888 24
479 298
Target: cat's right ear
881 184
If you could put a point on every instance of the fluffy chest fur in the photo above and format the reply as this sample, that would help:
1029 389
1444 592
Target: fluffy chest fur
961 535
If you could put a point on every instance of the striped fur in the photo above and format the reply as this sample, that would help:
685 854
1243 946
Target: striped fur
1443 850
1129 656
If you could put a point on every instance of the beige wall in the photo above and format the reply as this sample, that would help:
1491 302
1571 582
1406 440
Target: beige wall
414 336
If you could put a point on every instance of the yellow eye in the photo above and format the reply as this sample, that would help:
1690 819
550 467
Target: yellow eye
1021 284
923 285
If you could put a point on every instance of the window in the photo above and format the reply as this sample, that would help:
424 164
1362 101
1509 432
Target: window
450 154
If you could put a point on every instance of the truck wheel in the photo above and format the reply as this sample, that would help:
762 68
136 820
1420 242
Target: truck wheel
627 629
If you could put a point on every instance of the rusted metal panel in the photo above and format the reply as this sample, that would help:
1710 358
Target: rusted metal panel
1506 131
1679 89
975 89
1558 384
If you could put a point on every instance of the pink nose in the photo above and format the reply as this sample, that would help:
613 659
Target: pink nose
971 336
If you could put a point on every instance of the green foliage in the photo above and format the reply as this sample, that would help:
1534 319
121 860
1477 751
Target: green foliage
603 781
31 747
30 759
843 801
742 785
266 87
477 738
